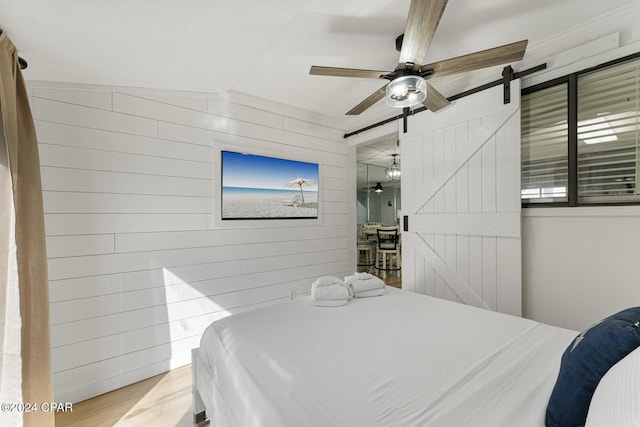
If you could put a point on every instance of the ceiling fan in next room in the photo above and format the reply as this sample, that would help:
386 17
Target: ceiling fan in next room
407 84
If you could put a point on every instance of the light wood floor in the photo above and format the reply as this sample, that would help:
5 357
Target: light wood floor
390 277
161 401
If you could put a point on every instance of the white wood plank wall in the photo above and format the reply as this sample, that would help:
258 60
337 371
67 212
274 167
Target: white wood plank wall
137 267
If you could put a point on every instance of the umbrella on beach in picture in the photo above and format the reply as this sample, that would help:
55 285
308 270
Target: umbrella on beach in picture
300 182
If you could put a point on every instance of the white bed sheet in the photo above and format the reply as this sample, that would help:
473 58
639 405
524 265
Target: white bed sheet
402 359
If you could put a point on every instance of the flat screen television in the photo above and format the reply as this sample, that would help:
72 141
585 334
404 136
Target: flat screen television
260 187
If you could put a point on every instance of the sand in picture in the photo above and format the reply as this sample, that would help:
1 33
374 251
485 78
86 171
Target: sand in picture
270 204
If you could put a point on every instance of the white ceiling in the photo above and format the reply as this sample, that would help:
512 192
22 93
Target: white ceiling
265 48
379 151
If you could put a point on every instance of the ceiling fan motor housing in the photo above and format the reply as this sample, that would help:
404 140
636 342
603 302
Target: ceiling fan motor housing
407 70
399 40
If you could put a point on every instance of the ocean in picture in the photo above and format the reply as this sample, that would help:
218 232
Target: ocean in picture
246 203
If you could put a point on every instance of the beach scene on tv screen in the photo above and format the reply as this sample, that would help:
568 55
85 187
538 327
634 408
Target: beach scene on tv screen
256 187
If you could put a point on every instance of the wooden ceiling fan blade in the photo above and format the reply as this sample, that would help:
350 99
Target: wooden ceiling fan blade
422 22
317 70
435 100
368 102
505 54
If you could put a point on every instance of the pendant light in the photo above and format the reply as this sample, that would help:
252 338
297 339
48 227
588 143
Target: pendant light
393 171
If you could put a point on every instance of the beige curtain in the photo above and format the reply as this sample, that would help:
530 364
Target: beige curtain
24 289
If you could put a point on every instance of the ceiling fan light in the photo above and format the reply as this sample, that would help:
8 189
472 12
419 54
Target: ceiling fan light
398 91
406 91
378 188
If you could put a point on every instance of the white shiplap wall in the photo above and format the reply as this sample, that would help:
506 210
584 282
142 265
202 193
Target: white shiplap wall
139 264
580 265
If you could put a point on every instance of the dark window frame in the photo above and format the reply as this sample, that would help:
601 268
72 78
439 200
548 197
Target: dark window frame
571 81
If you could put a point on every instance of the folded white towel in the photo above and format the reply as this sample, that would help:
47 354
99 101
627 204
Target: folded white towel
329 302
339 291
330 296
367 284
371 293
357 276
329 291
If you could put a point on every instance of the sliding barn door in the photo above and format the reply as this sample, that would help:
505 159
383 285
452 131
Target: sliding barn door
461 193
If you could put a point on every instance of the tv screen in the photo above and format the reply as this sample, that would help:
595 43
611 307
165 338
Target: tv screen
259 187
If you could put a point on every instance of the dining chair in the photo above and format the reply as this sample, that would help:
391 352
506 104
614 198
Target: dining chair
388 245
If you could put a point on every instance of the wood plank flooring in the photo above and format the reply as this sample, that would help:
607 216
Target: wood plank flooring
390 277
160 401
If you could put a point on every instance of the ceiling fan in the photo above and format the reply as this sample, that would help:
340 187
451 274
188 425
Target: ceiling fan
407 84
378 188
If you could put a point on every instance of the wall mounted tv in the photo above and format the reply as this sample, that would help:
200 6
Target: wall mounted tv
259 187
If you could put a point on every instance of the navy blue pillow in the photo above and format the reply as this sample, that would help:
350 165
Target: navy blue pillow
585 361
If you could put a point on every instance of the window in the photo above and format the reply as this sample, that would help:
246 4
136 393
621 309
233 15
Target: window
608 134
580 137
544 145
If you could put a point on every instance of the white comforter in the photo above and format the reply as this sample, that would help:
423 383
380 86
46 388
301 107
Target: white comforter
401 359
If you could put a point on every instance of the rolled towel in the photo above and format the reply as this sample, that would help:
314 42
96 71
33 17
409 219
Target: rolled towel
327 281
371 293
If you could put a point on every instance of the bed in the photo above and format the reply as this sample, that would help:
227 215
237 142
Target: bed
402 359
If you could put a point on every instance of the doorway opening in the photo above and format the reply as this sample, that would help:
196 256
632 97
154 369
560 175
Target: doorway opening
378 164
